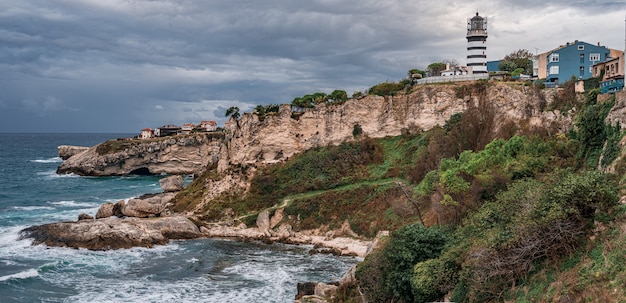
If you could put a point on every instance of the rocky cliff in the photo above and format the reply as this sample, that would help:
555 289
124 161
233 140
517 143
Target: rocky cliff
278 137
274 138
189 154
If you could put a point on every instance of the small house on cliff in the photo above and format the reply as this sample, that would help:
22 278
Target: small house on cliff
208 125
612 73
167 130
146 133
186 128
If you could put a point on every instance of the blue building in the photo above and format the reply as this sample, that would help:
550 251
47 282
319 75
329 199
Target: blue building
493 66
573 60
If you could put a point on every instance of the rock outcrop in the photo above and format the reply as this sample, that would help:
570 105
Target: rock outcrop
179 155
277 137
172 183
146 206
112 233
66 151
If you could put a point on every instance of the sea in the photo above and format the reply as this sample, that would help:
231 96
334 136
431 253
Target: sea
202 270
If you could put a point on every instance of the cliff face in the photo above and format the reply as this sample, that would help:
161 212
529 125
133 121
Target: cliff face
175 155
278 137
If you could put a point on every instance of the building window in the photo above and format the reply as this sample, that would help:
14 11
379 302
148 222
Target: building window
594 57
581 71
581 47
554 58
554 70
582 58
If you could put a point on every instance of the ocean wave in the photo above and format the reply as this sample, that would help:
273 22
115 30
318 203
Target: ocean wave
50 160
31 208
21 275
73 204
53 174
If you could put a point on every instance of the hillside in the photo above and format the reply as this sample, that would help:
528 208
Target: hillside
494 191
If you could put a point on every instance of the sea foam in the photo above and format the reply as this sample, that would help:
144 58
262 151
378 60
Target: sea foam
50 160
21 275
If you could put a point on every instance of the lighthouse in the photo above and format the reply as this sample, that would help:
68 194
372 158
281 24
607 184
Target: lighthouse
477 44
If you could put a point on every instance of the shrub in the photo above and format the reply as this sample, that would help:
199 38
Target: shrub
386 275
386 88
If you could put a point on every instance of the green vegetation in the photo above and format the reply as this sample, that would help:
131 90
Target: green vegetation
510 212
310 100
388 88
517 62
233 112
385 276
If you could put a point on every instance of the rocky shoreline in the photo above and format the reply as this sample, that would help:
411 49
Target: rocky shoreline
146 221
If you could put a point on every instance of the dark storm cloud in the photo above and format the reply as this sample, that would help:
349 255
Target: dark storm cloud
94 65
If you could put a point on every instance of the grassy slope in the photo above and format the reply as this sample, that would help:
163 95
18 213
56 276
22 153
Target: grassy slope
358 182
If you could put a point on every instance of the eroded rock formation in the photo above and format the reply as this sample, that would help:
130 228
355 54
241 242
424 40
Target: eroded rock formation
277 137
112 233
66 151
178 155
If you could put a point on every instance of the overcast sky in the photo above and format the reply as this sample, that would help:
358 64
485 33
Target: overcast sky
122 65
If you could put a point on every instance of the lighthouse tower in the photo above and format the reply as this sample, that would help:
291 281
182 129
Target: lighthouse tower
477 44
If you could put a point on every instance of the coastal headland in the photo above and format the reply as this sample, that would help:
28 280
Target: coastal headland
332 176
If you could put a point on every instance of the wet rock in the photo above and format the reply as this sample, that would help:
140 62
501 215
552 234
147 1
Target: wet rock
112 233
105 210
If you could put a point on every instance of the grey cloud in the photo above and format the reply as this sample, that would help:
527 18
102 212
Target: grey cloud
141 62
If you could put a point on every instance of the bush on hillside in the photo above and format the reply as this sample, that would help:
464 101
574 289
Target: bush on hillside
533 219
385 275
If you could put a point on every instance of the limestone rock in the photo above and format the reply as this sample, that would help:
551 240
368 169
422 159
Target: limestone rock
172 183
66 151
277 217
263 221
178 155
117 208
112 233
84 217
283 232
105 210
146 206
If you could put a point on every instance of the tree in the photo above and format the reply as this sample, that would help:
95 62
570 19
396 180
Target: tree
522 59
338 96
416 71
507 66
233 112
435 69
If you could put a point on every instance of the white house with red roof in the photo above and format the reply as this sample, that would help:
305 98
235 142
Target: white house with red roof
146 133
187 128
208 125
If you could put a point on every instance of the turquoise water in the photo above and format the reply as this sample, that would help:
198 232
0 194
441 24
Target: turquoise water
204 270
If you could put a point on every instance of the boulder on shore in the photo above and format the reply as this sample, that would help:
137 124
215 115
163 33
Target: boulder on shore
105 210
112 233
147 205
172 183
